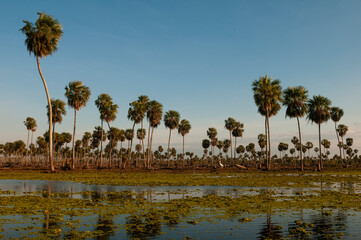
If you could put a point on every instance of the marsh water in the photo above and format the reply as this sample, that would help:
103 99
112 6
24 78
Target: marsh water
87 215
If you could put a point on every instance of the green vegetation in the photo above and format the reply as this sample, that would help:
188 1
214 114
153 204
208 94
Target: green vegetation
156 178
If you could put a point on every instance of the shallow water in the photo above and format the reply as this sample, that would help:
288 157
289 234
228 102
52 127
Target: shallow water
321 223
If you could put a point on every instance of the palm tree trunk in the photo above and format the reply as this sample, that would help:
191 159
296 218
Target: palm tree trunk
54 152
131 143
183 151
52 169
230 138
151 145
32 135
111 149
101 147
338 139
143 143
27 143
343 150
319 145
235 146
148 145
170 132
299 134
266 134
73 156
269 142
121 154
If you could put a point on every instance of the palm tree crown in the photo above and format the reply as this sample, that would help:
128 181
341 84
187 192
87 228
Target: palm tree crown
77 94
107 108
267 95
42 39
336 114
58 109
295 99
184 127
171 119
319 109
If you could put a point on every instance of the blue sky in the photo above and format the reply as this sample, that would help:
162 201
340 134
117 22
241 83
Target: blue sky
196 57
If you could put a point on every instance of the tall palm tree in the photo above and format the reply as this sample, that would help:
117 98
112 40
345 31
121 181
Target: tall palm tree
154 116
236 133
230 125
342 130
108 111
295 99
171 121
77 95
319 112
336 115
30 124
183 129
42 40
267 94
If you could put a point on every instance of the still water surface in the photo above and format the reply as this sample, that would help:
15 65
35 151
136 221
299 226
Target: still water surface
304 224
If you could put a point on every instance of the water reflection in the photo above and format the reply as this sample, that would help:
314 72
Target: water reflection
164 193
174 217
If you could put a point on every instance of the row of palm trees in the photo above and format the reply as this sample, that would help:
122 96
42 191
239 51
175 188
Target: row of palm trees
268 96
42 39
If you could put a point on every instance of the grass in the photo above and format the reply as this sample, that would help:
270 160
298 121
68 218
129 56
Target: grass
156 178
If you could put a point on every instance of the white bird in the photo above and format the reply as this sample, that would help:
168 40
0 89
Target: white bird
220 164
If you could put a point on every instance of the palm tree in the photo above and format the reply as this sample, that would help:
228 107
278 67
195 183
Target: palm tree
220 145
141 135
295 99
135 114
144 104
77 95
33 129
58 111
171 121
267 95
154 116
42 39
237 132
183 129
319 112
230 125
212 134
113 136
262 141
309 145
205 144
30 124
336 115
342 130
85 141
108 111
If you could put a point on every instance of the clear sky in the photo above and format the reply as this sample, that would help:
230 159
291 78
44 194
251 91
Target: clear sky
196 57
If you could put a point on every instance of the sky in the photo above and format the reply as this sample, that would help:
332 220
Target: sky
196 57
